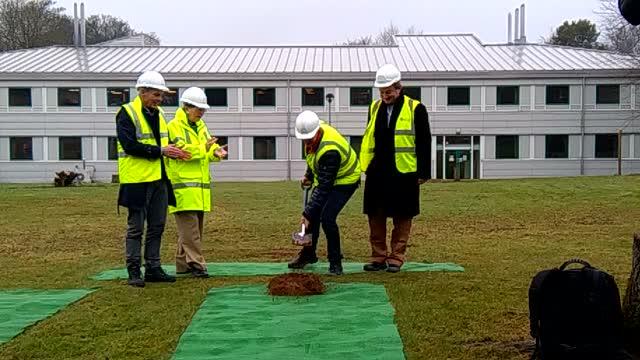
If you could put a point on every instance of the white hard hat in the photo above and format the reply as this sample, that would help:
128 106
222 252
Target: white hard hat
151 79
196 97
307 125
386 76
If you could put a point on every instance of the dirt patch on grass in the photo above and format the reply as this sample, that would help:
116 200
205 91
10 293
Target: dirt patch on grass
295 284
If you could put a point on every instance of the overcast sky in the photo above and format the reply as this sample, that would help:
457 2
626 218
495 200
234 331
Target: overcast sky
264 22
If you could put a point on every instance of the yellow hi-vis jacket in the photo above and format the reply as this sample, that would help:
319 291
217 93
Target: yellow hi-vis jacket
404 138
191 179
349 172
133 169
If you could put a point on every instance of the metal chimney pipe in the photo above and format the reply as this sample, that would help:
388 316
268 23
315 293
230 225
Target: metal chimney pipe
75 25
509 30
516 37
523 38
83 30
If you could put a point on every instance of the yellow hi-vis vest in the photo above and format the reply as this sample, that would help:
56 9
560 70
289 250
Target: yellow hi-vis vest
134 169
190 179
404 138
349 172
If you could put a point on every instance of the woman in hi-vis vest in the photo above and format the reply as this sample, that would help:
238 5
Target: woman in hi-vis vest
191 179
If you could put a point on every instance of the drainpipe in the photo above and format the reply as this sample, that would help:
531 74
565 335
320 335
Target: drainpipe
289 129
582 115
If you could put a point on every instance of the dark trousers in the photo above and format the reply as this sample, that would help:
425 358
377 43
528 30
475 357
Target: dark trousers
154 213
338 198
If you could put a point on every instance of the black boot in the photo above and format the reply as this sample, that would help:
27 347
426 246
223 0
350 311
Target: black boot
375 266
157 274
303 258
135 276
335 268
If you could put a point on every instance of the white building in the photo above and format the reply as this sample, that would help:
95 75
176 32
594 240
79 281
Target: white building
507 110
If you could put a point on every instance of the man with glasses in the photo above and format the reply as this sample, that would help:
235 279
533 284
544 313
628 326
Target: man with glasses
191 179
396 156
144 186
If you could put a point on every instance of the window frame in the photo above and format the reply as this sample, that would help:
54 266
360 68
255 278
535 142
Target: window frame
547 151
275 145
125 99
601 87
353 96
209 97
501 89
550 88
61 92
451 89
12 146
60 148
412 88
29 103
503 154
267 89
305 97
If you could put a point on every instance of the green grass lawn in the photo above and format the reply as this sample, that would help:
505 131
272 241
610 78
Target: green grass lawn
502 232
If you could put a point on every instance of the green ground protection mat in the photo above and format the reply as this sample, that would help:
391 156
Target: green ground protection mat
350 321
255 269
22 308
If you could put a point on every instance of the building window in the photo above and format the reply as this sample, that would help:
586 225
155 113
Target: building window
70 148
19 96
312 96
606 146
112 150
171 98
557 146
608 94
557 95
117 96
458 95
356 143
360 96
264 148
414 92
21 148
216 96
508 95
69 97
264 97
507 147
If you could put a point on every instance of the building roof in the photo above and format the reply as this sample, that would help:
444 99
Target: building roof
460 53
133 40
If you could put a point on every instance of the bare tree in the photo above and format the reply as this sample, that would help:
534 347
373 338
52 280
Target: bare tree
35 23
385 37
101 28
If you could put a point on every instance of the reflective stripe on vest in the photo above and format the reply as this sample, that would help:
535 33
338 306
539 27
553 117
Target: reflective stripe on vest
349 171
404 137
134 169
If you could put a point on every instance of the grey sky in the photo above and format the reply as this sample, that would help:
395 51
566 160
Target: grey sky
253 22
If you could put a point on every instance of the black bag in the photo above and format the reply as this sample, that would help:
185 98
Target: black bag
576 314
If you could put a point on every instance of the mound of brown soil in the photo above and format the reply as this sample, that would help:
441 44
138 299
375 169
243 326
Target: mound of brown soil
296 284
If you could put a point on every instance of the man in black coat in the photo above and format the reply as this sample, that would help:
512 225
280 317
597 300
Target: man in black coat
396 158
145 189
